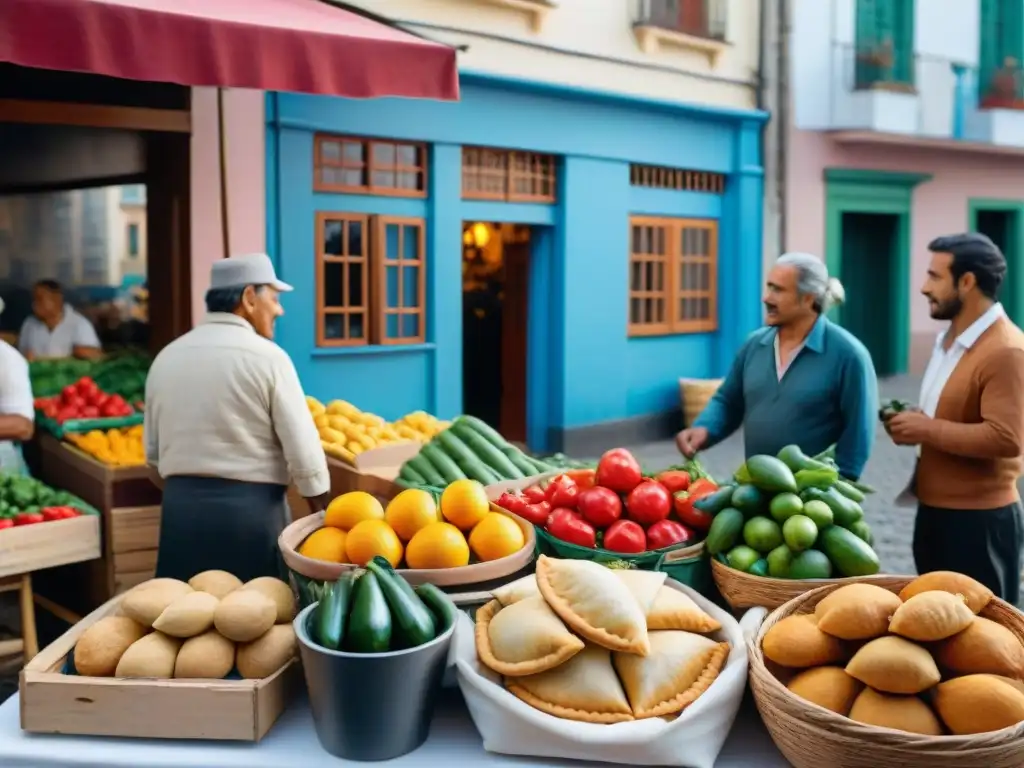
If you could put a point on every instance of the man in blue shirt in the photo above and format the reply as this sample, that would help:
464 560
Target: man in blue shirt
801 380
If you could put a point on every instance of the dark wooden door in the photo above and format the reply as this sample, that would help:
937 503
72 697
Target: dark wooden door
514 311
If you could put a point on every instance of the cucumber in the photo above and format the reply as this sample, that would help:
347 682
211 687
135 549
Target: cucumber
845 512
849 490
794 458
410 474
851 555
725 531
413 621
430 475
541 466
369 623
715 502
771 474
487 453
443 463
402 583
457 450
520 459
440 605
486 431
862 487
332 612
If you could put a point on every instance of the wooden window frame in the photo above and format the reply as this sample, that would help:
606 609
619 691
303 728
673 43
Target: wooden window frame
509 174
673 262
374 279
319 185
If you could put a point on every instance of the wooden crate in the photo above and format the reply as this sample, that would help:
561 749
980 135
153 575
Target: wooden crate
30 548
223 710
134 535
374 471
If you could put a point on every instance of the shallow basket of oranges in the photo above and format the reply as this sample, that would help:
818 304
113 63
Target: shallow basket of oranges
458 539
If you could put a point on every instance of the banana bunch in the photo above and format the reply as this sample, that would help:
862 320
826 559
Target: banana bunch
419 426
345 431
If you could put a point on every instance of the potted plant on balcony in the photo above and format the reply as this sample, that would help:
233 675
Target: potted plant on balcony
1004 88
875 65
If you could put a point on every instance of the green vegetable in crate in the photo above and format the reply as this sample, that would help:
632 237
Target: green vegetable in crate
770 474
413 622
725 531
332 613
489 453
715 502
369 623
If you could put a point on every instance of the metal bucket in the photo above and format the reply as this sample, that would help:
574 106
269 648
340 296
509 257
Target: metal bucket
372 706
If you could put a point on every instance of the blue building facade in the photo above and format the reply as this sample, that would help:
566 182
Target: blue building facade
644 256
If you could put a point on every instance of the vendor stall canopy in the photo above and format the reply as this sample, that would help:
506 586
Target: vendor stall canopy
305 46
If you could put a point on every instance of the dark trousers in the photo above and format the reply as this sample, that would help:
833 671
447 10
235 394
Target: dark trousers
983 544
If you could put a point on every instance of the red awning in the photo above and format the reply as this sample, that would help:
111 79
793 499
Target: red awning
307 46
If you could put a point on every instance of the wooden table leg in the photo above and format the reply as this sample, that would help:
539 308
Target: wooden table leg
28 619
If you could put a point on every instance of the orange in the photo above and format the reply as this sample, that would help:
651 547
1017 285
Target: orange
464 504
410 511
496 536
438 545
349 509
325 544
373 537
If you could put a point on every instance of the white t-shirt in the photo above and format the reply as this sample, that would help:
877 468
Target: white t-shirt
15 400
73 330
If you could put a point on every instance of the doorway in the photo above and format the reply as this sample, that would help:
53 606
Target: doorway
1003 222
870 247
495 301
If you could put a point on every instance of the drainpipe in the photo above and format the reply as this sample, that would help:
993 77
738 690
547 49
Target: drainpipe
768 98
784 29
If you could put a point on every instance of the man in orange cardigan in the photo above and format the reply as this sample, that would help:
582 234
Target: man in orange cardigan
970 424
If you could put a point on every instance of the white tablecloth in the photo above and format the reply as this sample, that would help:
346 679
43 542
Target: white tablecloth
292 743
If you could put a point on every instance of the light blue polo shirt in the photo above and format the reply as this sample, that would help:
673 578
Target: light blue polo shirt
73 330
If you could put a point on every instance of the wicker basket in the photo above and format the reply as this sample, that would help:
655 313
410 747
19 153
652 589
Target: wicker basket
744 590
813 737
694 395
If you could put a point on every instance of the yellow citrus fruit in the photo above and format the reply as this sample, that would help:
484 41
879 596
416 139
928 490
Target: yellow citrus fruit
438 545
325 544
410 511
464 504
349 509
496 536
373 537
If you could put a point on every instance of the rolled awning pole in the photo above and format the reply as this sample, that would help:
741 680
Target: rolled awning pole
222 146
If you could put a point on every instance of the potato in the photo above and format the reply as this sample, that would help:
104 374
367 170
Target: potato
188 616
265 655
148 600
244 615
151 656
209 655
277 591
102 645
217 583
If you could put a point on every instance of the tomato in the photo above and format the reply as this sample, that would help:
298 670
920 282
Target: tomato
649 502
667 533
535 494
689 514
87 388
6 522
584 478
599 506
74 402
50 410
513 501
626 537
26 518
537 514
618 470
702 486
674 479
569 526
563 492
69 392
66 414
90 412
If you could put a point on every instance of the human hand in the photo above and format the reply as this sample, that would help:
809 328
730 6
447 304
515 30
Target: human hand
908 427
691 440
318 503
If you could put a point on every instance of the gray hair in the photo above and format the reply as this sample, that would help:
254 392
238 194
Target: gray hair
225 299
813 280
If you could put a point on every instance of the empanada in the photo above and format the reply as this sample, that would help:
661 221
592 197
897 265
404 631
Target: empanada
594 602
525 638
643 584
673 609
585 688
517 590
680 667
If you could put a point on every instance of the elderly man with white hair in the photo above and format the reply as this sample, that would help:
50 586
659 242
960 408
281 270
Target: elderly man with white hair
802 379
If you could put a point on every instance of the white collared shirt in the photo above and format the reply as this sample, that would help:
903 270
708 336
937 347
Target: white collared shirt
780 369
222 401
73 330
944 361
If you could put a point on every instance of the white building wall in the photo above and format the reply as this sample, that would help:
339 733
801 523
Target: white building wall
589 44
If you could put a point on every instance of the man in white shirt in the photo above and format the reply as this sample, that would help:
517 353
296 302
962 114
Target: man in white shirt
55 329
17 414
228 429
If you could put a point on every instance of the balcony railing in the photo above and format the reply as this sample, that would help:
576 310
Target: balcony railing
699 18
881 65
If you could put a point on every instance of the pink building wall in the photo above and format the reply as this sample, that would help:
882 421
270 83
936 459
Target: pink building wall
245 129
939 205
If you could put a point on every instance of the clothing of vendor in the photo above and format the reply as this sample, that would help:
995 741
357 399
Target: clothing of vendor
17 414
227 428
55 329
969 426
801 380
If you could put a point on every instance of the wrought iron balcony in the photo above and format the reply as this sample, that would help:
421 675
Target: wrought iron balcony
697 18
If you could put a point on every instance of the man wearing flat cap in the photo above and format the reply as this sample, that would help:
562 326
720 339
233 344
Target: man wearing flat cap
969 424
227 428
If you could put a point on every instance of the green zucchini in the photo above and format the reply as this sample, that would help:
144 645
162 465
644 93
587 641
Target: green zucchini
440 605
443 463
332 612
414 624
541 466
410 474
486 431
458 452
849 490
369 623
862 487
430 475
520 459
487 453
